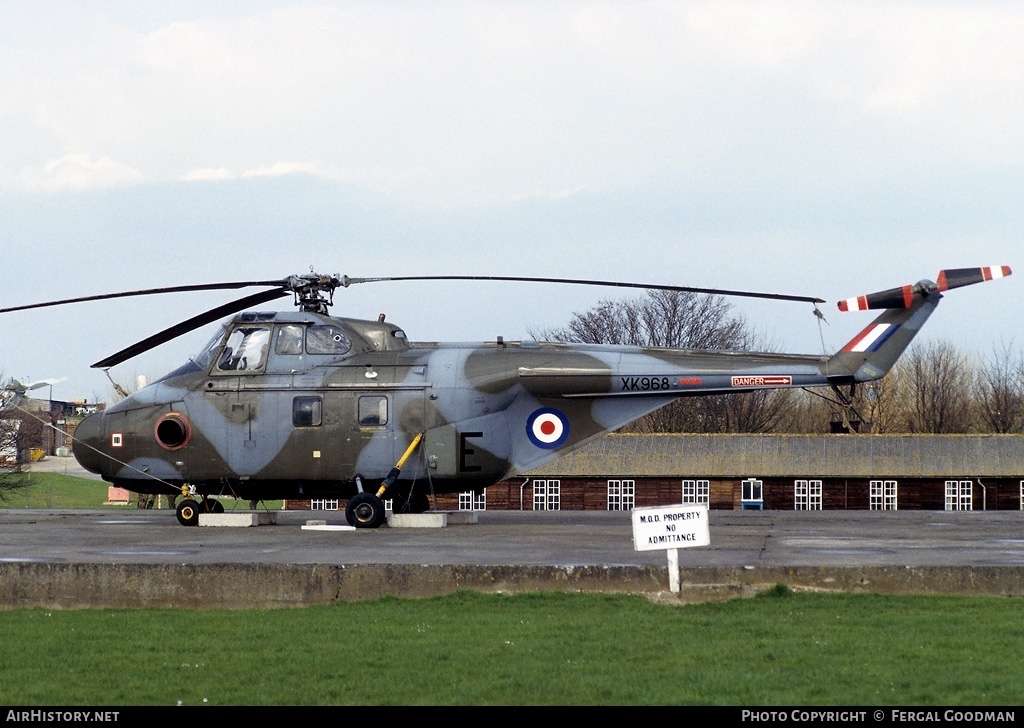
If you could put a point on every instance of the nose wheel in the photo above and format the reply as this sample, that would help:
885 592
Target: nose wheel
188 510
188 513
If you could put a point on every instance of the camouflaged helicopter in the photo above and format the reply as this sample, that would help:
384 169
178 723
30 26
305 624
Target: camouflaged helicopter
302 404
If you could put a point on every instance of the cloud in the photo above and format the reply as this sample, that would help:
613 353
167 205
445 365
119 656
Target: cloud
79 172
463 104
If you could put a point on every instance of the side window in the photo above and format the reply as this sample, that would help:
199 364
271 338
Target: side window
289 339
307 412
326 339
245 349
373 411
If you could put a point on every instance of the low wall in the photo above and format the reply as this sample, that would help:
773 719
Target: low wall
271 586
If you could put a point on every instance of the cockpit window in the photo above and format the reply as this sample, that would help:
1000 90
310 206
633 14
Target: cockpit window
205 356
245 349
289 339
326 339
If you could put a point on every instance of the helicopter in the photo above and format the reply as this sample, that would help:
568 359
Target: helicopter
303 404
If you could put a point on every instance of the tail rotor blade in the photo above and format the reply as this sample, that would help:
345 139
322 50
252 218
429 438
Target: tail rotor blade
900 297
957 277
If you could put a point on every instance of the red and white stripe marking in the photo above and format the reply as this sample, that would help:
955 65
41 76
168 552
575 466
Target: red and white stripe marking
857 303
995 271
866 339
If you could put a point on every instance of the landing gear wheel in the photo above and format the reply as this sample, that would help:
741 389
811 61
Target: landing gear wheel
188 513
365 510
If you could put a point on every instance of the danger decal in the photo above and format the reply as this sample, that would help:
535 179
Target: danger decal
547 428
779 380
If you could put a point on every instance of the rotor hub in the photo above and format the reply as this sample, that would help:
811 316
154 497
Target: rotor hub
314 293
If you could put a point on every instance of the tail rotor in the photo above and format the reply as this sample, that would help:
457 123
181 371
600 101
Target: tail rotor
872 353
904 296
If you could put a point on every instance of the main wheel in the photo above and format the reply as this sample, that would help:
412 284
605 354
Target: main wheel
365 510
188 513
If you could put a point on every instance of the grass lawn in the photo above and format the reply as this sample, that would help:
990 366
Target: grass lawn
777 649
55 490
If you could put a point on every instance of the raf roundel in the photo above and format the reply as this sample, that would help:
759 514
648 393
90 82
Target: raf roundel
547 428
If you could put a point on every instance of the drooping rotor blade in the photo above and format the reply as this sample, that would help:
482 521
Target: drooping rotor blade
904 296
43 383
149 292
195 322
346 281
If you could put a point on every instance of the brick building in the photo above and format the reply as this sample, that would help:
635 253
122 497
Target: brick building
778 472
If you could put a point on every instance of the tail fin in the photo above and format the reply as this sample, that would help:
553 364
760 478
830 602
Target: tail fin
872 353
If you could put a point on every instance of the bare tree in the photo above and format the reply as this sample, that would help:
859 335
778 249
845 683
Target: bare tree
883 402
939 380
681 320
999 391
17 431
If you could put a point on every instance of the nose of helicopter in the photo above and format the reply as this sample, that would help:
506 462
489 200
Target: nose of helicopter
88 442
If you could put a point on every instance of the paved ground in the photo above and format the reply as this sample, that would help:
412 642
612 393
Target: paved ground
932 551
738 539
63 465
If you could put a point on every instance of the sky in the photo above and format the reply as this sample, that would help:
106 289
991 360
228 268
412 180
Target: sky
813 148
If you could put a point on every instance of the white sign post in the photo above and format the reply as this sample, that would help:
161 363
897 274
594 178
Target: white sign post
671 528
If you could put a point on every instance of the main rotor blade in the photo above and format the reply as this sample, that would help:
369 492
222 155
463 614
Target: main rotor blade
148 292
193 323
346 281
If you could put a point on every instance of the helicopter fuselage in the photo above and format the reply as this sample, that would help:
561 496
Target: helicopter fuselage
305 405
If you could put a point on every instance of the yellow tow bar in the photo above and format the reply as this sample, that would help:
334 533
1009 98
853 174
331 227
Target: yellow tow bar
393 475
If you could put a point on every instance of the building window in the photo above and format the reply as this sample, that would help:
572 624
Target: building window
959 495
697 491
883 495
324 504
807 495
1022 495
751 494
470 501
621 495
547 495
